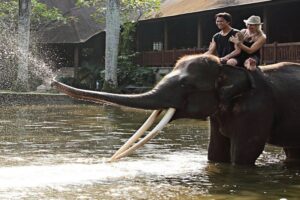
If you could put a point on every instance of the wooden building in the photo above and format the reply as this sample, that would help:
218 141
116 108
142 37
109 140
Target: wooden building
186 26
79 42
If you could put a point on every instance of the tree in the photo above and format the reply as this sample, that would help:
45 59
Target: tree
112 44
131 10
23 45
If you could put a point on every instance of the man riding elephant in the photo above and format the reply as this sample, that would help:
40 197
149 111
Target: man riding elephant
264 107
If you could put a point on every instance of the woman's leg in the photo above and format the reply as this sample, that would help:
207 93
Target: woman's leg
250 64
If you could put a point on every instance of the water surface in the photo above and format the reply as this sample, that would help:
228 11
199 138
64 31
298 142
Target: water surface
59 152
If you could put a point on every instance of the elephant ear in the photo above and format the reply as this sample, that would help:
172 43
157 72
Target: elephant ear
201 71
232 82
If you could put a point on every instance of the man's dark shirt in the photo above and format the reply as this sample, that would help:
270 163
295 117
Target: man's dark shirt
224 46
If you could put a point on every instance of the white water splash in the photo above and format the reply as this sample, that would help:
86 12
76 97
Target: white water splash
74 174
9 55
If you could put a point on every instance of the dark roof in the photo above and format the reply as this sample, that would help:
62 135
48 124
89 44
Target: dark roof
79 30
179 7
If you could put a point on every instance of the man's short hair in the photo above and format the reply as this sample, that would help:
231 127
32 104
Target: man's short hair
225 16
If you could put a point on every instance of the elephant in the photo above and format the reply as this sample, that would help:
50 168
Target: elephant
246 109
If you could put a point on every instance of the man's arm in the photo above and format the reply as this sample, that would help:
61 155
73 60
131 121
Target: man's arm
234 53
212 48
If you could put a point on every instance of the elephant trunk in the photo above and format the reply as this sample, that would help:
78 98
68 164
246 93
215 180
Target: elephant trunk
149 100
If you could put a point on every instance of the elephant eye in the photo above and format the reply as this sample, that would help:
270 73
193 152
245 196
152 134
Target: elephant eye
183 82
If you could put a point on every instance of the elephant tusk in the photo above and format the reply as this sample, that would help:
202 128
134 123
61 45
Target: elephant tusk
148 123
164 121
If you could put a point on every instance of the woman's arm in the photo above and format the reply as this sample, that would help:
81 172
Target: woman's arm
254 47
234 53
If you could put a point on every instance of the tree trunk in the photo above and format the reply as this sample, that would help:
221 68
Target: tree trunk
112 44
23 45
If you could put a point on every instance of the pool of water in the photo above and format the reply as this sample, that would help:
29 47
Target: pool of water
60 152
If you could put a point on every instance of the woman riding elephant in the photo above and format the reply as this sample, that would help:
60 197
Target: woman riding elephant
264 107
250 41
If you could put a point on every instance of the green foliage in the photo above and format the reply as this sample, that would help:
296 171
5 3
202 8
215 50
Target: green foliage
141 7
40 14
109 87
128 72
8 10
86 77
130 10
99 5
131 74
127 38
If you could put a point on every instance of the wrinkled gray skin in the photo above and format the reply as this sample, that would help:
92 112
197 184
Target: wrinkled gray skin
246 109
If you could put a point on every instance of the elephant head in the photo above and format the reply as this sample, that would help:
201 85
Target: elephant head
197 87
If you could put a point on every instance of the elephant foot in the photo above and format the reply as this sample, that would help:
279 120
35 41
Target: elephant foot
218 159
244 162
244 152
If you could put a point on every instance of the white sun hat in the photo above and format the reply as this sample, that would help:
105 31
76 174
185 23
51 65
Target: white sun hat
253 20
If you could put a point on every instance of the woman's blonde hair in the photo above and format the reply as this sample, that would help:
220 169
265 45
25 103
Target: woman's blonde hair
259 29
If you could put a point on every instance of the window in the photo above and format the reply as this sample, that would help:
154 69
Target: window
157 46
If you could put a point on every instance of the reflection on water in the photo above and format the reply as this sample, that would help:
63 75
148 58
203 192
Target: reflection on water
59 152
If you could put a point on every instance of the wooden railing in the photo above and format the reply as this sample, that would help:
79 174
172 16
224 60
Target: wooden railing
271 53
165 58
277 52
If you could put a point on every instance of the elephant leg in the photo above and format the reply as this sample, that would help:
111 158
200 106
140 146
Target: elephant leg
245 152
292 154
250 126
219 145
249 137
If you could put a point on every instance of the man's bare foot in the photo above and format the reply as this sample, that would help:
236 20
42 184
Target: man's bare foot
250 64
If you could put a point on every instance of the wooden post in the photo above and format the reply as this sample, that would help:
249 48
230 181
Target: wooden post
76 60
162 58
266 20
137 38
165 47
262 53
199 33
173 56
143 59
275 52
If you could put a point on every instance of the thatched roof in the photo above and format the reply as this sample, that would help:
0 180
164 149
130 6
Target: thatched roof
179 7
82 28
